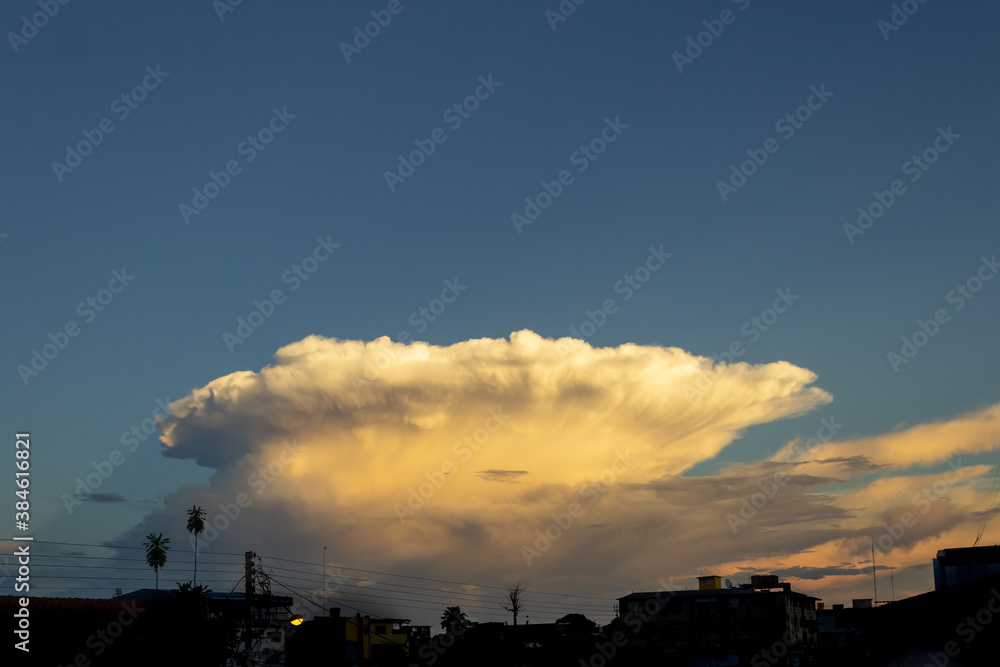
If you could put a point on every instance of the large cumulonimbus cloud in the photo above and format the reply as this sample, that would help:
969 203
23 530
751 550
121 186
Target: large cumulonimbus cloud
487 436
561 401
497 459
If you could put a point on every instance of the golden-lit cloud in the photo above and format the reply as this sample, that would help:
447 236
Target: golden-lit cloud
920 445
527 457
480 425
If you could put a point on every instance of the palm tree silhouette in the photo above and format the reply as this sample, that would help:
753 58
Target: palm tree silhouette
195 524
156 553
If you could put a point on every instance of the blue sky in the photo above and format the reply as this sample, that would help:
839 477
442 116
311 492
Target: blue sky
345 123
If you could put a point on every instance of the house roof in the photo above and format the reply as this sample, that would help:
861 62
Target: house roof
65 605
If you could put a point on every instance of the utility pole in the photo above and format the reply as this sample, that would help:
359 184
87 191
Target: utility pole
248 628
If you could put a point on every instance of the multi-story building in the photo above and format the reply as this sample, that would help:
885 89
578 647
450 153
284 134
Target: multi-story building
957 566
764 621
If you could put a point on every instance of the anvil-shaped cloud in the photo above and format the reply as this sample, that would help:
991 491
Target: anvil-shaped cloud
563 407
496 459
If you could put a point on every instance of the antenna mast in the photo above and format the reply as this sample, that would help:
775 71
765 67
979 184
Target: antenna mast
874 578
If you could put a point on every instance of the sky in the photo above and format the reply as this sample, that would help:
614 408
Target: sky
450 295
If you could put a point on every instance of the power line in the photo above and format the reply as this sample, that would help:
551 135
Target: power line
446 595
396 598
115 558
111 546
443 581
397 602
370 616
474 603
115 567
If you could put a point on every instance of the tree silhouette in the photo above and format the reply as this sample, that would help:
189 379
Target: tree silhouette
514 603
195 595
453 618
578 623
156 553
195 524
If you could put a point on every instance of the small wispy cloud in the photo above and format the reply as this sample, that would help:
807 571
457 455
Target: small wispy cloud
501 475
104 498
